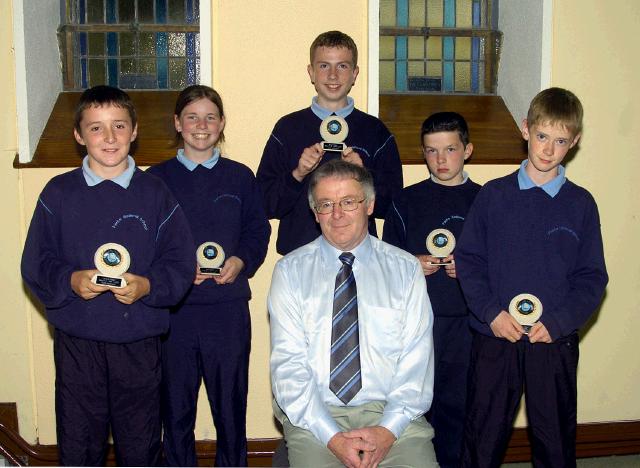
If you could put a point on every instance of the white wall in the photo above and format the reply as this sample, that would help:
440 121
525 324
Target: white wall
38 70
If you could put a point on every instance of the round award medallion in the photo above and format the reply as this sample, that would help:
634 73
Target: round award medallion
210 257
334 131
441 242
526 309
112 261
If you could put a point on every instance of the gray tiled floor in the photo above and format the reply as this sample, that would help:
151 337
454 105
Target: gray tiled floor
629 461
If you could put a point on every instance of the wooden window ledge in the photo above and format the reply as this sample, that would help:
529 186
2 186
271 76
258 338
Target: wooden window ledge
495 136
155 142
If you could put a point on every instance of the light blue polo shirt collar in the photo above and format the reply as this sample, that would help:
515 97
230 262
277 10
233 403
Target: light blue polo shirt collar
123 180
323 113
551 188
190 165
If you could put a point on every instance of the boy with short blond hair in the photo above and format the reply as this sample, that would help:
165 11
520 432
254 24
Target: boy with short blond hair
293 150
441 202
532 232
107 340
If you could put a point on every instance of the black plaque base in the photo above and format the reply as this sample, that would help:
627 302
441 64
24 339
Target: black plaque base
328 146
110 281
210 271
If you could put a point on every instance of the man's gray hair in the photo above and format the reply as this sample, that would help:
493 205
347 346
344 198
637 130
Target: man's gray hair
342 170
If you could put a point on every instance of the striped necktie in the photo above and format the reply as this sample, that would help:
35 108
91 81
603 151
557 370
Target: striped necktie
345 380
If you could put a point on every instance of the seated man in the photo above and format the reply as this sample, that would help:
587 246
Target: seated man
351 385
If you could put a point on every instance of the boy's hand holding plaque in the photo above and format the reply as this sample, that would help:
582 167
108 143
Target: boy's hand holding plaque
526 309
334 131
112 261
210 257
440 244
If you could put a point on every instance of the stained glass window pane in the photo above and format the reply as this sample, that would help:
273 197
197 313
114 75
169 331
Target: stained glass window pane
126 50
417 13
388 13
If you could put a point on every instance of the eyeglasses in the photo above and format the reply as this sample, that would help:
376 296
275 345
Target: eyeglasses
346 204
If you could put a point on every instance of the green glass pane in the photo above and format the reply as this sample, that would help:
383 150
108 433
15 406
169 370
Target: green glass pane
387 76
415 68
463 77
417 13
147 45
435 12
387 47
177 45
126 11
463 48
434 48
127 44
95 11
145 11
147 66
387 13
96 44
434 68
127 66
176 11
177 73
97 70
464 9
416 47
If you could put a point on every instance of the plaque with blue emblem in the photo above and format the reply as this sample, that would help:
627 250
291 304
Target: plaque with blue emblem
210 257
112 261
526 309
440 244
334 131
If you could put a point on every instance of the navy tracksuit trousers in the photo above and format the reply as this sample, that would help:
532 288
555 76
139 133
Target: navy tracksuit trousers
499 373
102 386
452 350
210 343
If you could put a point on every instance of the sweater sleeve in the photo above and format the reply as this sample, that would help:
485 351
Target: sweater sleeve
44 270
173 268
395 229
387 174
280 190
472 263
587 281
255 230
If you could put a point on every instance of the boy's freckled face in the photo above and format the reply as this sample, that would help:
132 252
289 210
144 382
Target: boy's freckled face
107 132
445 155
548 144
333 74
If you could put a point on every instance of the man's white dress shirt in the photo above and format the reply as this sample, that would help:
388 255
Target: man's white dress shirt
395 320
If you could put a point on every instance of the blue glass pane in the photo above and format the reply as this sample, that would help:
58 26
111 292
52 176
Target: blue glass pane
189 15
112 67
162 73
449 13
401 63
402 13
112 44
191 44
111 11
83 72
161 11
82 12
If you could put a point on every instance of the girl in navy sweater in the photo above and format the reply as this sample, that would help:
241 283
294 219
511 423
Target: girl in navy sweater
210 333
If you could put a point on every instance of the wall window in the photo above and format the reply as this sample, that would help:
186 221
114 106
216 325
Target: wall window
131 44
439 46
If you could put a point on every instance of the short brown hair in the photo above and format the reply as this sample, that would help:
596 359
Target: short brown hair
194 93
334 39
104 95
556 106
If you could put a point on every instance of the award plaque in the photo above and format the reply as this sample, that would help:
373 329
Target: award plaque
526 309
112 261
334 131
210 257
440 244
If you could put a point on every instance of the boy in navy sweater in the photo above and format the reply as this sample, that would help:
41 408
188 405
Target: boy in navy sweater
531 232
293 150
107 340
441 202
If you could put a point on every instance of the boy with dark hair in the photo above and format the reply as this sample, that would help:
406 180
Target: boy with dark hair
107 340
293 150
441 202
532 232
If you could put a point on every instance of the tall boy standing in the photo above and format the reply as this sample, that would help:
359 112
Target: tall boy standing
531 232
441 202
293 150
107 341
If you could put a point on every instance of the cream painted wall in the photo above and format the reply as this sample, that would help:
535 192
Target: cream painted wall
261 75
